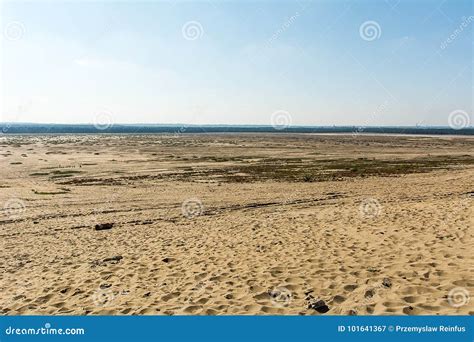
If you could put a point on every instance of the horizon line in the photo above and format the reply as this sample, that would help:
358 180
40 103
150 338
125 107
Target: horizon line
418 126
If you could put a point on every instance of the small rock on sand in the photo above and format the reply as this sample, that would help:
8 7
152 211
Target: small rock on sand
369 293
320 306
387 282
115 259
104 226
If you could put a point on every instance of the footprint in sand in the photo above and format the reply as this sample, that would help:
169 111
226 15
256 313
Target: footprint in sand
350 288
169 296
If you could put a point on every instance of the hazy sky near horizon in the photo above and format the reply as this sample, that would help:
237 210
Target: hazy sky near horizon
364 63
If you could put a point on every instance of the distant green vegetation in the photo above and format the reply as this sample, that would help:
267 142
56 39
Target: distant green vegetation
39 174
290 170
311 170
17 128
64 173
61 192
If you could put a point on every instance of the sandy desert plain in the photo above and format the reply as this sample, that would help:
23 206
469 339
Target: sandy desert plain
243 224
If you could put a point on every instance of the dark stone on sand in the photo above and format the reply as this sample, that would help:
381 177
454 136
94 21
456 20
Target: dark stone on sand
116 258
105 286
147 294
320 306
104 226
166 260
387 282
369 293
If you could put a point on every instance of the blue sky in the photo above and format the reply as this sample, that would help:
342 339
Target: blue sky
68 62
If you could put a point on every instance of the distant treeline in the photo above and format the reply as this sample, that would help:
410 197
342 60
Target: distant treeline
26 128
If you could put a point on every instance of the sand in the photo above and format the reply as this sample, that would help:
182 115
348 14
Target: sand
236 224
